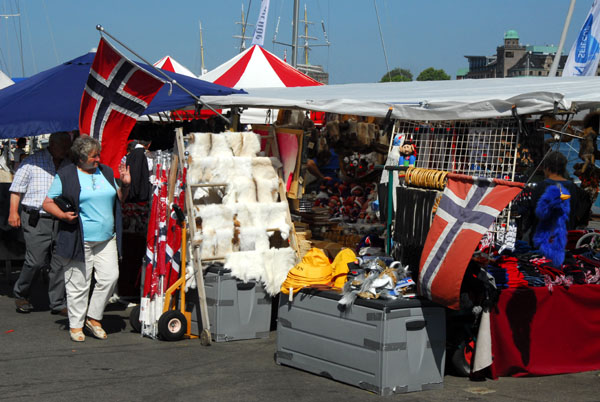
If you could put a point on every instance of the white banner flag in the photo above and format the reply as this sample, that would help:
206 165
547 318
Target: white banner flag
585 53
261 24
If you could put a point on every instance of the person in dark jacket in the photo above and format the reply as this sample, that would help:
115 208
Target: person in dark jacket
136 160
89 235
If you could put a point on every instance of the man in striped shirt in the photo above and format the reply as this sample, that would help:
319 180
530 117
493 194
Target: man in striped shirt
29 189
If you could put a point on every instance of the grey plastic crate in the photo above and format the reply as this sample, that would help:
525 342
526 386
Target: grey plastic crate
236 310
383 347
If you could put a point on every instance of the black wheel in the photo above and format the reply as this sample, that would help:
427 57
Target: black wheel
462 358
172 325
134 319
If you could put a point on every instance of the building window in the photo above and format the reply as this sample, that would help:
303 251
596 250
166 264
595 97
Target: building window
509 55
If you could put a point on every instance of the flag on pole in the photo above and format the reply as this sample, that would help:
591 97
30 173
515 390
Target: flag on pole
117 92
585 53
174 233
261 24
467 209
151 244
161 256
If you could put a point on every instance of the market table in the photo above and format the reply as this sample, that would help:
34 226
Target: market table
537 332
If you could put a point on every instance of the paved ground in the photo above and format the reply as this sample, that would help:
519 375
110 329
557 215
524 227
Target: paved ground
38 362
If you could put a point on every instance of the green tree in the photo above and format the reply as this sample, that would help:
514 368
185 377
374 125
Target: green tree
397 74
431 74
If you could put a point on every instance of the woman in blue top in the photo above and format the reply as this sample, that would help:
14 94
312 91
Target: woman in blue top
88 239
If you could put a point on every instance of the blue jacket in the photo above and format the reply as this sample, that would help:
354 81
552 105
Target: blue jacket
69 240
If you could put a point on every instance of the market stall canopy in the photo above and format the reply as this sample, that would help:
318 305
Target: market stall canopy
49 101
430 100
258 68
170 64
5 80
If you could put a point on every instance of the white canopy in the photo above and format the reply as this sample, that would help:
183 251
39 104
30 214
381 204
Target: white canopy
429 100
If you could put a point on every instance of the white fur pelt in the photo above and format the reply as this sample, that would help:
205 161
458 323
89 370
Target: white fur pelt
277 218
220 146
224 241
200 146
240 190
252 238
209 244
241 187
243 214
246 265
217 230
265 177
278 262
270 266
235 142
250 144
215 216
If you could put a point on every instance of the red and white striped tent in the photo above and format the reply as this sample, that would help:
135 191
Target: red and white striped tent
257 68
170 64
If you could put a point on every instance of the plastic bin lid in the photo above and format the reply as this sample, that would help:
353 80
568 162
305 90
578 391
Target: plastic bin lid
217 268
378 304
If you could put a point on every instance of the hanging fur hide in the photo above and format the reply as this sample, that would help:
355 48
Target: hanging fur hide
246 265
277 218
220 146
199 145
215 216
235 141
265 177
224 241
252 238
250 144
278 262
270 266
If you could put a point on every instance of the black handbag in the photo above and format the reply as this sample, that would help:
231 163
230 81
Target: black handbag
64 204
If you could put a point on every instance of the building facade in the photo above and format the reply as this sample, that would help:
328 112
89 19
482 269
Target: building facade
513 60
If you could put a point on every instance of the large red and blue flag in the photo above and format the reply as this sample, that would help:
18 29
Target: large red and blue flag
468 207
117 92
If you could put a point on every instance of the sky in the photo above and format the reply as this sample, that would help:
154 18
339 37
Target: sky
417 34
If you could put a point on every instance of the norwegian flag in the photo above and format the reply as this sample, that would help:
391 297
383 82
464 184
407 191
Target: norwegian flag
161 255
467 209
116 93
174 234
150 272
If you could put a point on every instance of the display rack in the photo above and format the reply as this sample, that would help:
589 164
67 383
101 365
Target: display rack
205 336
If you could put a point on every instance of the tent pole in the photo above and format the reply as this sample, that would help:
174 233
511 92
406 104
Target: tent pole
554 67
295 34
169 79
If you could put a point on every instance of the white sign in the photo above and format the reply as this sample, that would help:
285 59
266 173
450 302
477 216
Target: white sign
261 24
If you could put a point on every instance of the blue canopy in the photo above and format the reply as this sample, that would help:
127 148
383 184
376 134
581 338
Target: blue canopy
49 101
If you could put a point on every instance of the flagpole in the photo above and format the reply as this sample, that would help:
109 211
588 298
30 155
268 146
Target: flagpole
169 79
556 60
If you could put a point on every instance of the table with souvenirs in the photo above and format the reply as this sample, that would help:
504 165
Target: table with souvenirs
546 319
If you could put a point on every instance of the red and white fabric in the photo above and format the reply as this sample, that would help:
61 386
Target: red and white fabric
258 68
170 64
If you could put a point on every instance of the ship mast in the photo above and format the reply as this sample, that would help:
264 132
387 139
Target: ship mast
202 69
243 36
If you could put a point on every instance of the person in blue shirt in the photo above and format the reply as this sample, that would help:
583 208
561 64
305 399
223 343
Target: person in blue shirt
89 236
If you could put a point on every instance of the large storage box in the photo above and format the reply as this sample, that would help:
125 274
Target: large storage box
382 346
236 310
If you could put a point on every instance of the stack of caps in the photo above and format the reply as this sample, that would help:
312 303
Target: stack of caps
314 269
